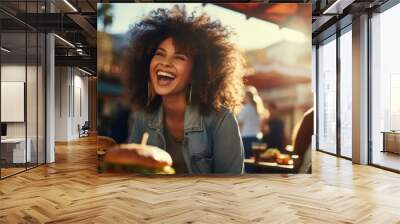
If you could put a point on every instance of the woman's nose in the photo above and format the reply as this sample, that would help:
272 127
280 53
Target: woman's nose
167 62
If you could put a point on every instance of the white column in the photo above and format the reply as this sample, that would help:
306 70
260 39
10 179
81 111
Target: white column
50 92
360 90
50 99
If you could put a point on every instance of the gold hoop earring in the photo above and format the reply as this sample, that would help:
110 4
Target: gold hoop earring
190 94
150 93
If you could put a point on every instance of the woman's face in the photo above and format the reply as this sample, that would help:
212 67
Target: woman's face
170 69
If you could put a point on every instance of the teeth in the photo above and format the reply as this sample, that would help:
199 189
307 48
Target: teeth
166 74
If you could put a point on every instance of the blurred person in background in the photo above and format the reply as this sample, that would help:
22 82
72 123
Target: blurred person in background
104 118
301 141
273 129
250 119
186 80
122 111
120 122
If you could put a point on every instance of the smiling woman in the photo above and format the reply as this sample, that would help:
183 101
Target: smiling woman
170 69
186 83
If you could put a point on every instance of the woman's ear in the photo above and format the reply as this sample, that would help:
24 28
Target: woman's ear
190 94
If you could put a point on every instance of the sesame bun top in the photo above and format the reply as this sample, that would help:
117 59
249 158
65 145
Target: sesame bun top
139 155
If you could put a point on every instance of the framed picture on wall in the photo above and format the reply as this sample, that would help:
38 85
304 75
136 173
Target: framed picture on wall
12 101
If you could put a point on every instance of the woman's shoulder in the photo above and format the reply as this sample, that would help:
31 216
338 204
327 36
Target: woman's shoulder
215 117
221 112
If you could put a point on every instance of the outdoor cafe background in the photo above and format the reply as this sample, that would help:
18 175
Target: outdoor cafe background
275 40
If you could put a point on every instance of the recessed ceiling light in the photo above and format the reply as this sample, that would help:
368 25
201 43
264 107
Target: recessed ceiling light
84 71
337 7
70 5
5 50
64 40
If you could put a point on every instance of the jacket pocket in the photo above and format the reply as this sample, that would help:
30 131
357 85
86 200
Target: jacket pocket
202 165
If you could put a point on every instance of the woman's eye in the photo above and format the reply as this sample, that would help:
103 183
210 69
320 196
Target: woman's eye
159 53
180 58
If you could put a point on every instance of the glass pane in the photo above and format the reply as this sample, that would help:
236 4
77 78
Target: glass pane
41 99
327 97
346 94
386 89
23 80
13 85
32 86
31 97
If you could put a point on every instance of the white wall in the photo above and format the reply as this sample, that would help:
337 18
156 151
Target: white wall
61 103
71 93
33 127
12 73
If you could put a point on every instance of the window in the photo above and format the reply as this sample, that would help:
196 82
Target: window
23 77
327 96
385 88
346 94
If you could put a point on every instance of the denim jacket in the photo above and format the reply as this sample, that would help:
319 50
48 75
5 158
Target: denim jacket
211 144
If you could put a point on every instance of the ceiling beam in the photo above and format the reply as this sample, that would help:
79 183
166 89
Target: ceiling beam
84 24
81 61
338 6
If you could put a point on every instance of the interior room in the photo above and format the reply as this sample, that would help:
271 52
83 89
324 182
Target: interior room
53 95
22 98
28 101
333 50
384 89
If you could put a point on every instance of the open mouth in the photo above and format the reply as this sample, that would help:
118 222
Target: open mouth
165 78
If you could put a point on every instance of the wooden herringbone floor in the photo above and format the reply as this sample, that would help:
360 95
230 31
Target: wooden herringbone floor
70 191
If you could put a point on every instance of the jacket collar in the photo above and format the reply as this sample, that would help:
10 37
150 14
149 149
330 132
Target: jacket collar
193 119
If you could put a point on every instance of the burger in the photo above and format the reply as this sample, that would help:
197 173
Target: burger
270 155
273 155
138 158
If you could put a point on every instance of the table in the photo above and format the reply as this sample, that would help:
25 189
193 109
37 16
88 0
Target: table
13 150
391 141
266 167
